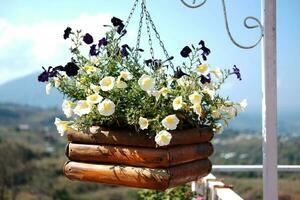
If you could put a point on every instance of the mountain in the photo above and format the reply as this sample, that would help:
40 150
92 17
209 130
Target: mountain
28 91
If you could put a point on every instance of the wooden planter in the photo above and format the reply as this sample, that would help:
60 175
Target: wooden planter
123 157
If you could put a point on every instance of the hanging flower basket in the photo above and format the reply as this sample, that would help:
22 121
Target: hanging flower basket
119 157
138 123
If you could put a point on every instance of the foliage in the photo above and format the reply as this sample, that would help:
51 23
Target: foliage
178 193
112 87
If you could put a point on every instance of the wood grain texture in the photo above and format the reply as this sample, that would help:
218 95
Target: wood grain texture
128 137
158 179
139 156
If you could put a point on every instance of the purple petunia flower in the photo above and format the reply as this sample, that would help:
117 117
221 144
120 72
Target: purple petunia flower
44 76
205 79
102 42
71 69
153 63
237 72
93 50
124 50
55 71
120 29
88 39
148 62
51 72
118 23
185 51
205 50
67 32
179 73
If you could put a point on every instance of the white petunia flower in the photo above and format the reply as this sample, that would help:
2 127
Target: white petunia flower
215 114
57 82
62 126
154 93
106 107
78 84
163 138
146 82
67 108
95 88
197 109
94 98
143 122
228 103
203 69
48 88
125 75
121 84
184 82
83 107
89 69
164 91
195 98
210 92
107 83
218 128
170 122
243 104
94 129
157 93
95 60
177 103
231 111
217 72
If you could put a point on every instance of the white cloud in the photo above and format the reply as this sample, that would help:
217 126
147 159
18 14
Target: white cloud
25 48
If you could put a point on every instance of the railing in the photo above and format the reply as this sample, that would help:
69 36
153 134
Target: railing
212 188
253 168
215 189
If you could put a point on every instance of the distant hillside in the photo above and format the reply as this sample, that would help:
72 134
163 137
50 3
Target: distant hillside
13 114
28 91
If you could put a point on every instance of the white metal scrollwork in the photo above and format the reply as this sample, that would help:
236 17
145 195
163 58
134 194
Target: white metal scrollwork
258 24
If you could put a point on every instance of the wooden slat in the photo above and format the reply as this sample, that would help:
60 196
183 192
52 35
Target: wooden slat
139 156
158 179
189 172
131 138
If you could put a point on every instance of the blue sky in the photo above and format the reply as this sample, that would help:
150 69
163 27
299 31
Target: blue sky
31 36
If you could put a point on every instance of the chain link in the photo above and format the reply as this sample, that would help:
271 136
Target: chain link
131 13
139 31
158 37
149 33
149 22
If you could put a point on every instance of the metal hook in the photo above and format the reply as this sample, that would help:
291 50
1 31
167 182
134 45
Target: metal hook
246 24
194 2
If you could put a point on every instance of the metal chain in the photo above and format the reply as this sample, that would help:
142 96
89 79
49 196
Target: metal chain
148 23
131 13
158 37
139 31
149 33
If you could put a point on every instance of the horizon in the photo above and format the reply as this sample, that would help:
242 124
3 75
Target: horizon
37 41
